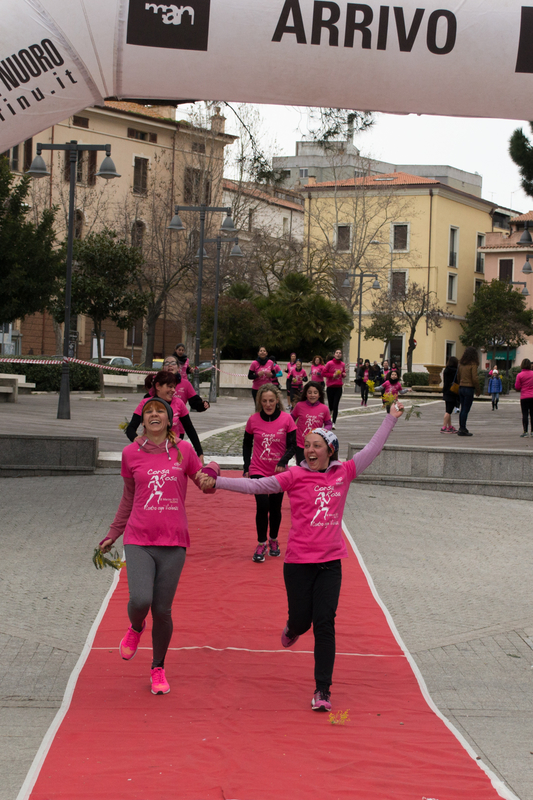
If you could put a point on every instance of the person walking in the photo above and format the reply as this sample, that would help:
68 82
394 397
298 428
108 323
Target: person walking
311 412
312 570
183 362
163 385
152 518
268 445
262 370
468 386
451 399
334 373
524 385
495 388
365 373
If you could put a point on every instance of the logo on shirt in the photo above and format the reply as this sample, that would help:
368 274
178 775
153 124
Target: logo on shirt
183 27
156 485
322 500
268 441
311 423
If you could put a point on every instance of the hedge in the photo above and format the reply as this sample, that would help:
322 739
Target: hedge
47 378
415 379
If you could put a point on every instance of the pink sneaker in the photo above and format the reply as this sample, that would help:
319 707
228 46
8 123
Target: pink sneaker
130 643
321 701
159 682
451 429
286 640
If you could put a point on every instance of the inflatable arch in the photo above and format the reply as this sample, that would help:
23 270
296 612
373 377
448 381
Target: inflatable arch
454 57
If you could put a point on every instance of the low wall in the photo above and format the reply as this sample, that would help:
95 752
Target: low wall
497 473
30 456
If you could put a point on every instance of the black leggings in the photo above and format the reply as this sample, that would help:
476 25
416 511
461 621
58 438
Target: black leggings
313 595
268 510
153 575
334 394
527 412
364 392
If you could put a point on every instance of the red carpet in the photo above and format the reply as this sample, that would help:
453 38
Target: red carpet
237 724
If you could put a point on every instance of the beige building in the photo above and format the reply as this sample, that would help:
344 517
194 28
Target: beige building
404 229
162 162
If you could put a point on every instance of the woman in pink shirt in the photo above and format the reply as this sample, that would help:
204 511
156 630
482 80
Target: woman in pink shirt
311 412
268 445
317 370
524 385
334 373
317 493
262 370
297 379
288 369
152 517
184 388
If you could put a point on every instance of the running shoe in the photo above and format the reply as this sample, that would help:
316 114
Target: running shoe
260 552
321 701
130 643
524 434
273 548
286 639
444 430
451 429
159 681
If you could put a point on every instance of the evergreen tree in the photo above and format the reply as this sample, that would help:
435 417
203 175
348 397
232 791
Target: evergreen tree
498 316
521 151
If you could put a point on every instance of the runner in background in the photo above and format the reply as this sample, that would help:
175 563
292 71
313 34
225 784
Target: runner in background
269 444
309 413
297 379
184 388
334 373
317 370
152 517
183 362
317 493
262 370
288 369
163 385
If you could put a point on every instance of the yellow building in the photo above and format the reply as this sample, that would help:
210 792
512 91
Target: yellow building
400 229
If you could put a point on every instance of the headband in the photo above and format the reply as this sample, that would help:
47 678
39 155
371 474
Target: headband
328 436
164 403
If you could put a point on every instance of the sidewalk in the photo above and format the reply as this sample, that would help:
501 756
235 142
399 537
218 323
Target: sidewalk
453 570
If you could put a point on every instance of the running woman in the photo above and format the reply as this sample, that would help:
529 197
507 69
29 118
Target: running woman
288 369
311 412
262 370
163 385
184 388
297 379
268 445
183 362
152 517
317 370
317 493
334 373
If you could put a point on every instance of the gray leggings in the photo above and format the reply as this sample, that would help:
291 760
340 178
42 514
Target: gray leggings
153 575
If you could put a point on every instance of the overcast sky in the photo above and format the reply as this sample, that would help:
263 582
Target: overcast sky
474 145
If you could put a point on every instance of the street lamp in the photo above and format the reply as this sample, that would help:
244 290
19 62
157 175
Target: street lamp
235 252
177 225
38 170
375 285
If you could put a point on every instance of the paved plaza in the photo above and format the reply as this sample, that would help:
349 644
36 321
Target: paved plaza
453 570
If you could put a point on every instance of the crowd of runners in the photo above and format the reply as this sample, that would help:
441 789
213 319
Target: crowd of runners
156 467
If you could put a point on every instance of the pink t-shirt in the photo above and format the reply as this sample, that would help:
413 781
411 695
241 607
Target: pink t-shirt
297 377
270 442
334 372
317 373
309 416
524 383
183 369
158 513
270 367
185 390
392 388
290 367
178 407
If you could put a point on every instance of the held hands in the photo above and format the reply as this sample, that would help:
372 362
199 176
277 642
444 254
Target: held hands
205 481
280 469
396 410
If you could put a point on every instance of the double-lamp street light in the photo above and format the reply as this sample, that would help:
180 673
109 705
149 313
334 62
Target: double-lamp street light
38 170
227 227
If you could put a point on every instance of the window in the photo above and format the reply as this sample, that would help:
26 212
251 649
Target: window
135 334
196 187
133 133
304 172
477 284
198 147
480 257
450 350
80 167
399 283
505 271
15 158
137 233
28 154
285 175
454 241
400 237
250 220
140 175
285 226
80 122
343 237
452 288
91 171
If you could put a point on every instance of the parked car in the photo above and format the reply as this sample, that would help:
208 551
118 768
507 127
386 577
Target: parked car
115 361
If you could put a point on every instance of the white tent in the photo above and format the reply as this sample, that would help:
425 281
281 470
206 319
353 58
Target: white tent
460 58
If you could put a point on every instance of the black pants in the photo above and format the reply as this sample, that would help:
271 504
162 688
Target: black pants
313 595
466 396
299 455
364 392
334 394
268 511
527 412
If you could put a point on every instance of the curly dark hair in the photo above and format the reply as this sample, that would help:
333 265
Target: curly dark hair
162 377
469 356
318 386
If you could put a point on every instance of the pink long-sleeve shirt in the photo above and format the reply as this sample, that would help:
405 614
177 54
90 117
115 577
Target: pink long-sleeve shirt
317 500
524 384
334 372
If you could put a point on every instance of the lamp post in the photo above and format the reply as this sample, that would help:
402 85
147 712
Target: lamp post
375 285
177 225
38 170
236 252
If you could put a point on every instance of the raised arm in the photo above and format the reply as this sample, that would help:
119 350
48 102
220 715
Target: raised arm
366 456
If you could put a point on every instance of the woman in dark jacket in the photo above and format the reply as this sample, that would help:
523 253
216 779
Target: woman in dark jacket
468 386
451 399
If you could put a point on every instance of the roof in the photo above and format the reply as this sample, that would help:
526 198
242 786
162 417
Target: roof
388 179
137 108
259 194
527 217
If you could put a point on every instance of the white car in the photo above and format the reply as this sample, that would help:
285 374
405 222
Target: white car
115 361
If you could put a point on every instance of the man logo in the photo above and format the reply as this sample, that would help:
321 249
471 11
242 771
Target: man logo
183 27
